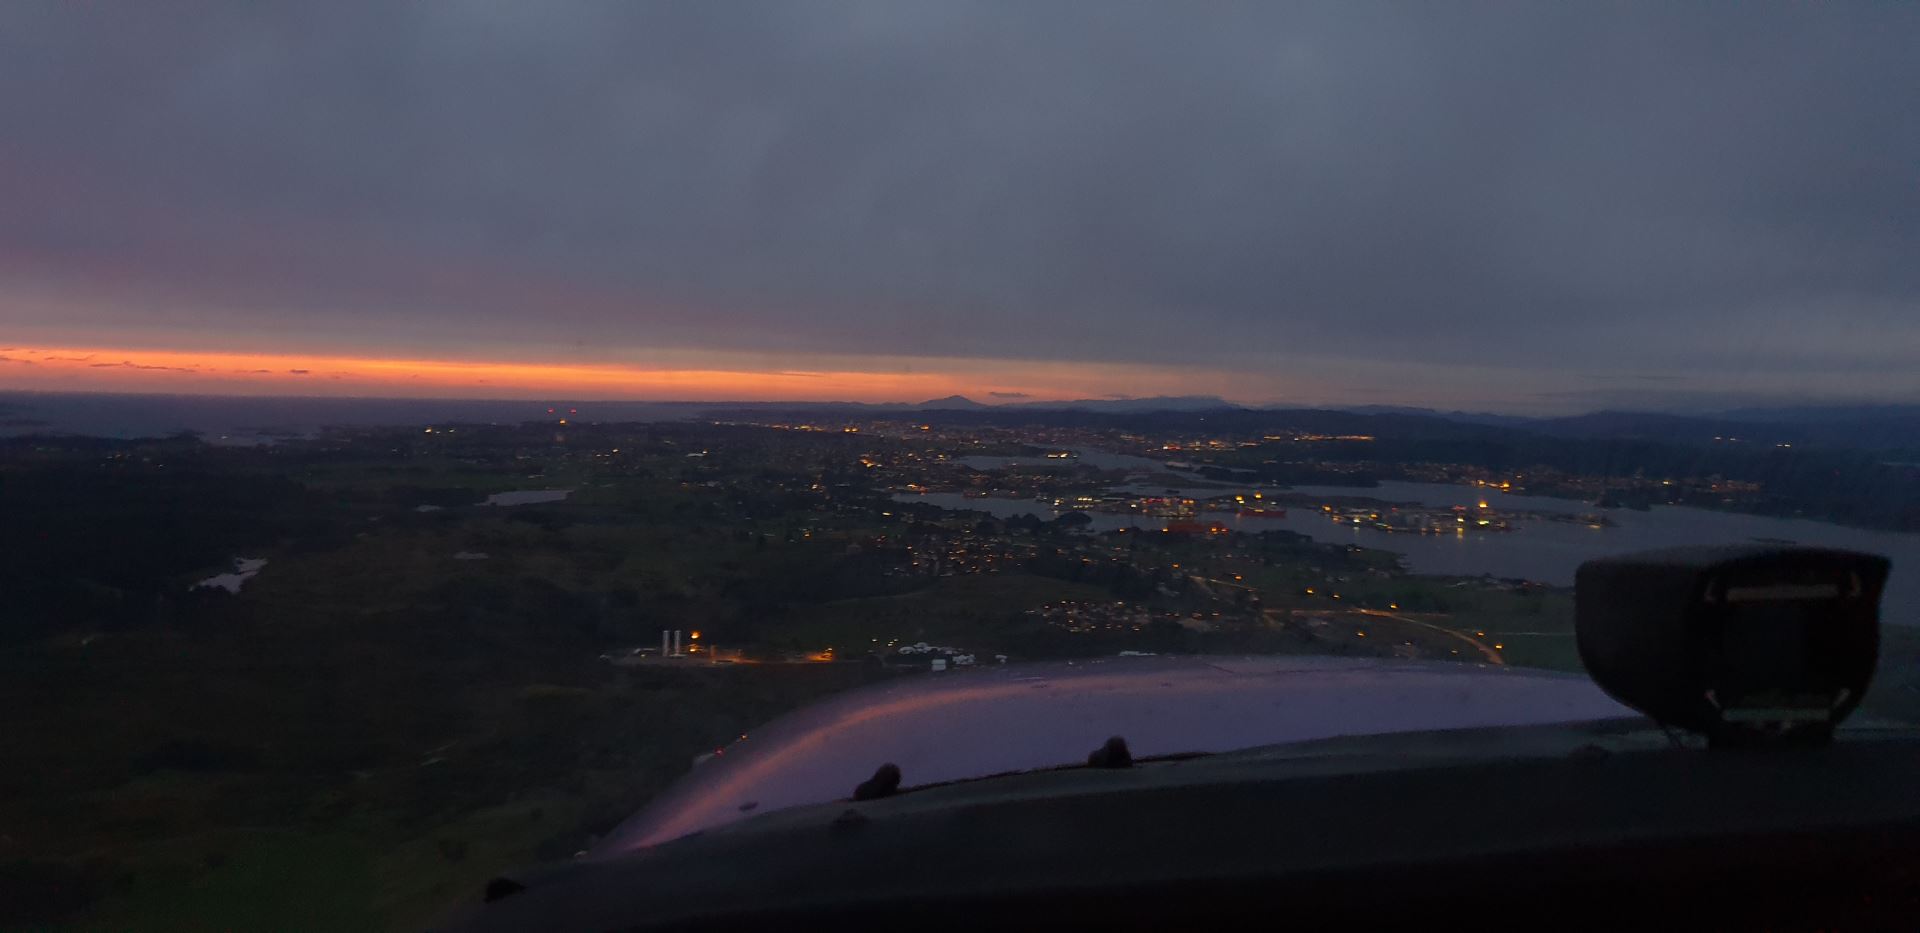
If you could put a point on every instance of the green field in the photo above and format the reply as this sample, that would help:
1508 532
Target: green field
223 802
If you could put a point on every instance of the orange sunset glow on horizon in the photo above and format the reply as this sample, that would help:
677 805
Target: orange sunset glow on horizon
101 369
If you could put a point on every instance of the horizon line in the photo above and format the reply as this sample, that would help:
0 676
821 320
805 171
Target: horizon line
1025 404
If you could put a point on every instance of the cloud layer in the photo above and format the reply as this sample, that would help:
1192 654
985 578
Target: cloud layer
1561 200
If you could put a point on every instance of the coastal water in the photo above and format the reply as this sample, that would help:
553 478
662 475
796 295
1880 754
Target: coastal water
1541 550
527 497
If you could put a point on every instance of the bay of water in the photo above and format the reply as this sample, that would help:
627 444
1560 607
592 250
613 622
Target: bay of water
527 497
1540 550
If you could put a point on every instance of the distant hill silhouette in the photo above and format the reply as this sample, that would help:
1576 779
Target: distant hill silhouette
1890 427
950 403
1154 403
1892 431
1464 417
1895 414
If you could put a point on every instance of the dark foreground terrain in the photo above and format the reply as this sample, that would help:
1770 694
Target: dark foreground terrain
418 689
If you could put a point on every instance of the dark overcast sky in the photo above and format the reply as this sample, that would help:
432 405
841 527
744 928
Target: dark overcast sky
1505 205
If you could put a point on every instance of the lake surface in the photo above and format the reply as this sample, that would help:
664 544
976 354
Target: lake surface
527 496
1542 550
244 569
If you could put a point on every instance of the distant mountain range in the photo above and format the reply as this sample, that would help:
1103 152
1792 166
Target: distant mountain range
1891 428
963 403
1866 427
1885 428
1827 413
1464 417
1871 427
950 403
1155 403
1853 417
